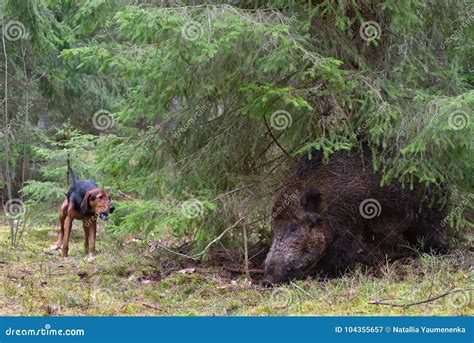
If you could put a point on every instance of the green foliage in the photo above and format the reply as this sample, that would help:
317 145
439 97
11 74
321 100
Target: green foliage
199 95
48 191
169 218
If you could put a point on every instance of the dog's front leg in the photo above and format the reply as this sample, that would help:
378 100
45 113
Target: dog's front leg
86 225
92 236
67 232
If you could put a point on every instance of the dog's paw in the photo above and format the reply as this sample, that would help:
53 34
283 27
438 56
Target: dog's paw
54 247
90 257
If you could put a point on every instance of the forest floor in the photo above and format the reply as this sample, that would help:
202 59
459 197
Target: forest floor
128 279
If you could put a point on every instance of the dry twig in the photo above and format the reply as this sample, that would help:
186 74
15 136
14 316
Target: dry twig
196 257
436 297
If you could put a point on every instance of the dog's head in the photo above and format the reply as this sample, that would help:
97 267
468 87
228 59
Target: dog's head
98 201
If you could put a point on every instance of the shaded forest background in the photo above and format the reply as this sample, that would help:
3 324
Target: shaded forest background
193 112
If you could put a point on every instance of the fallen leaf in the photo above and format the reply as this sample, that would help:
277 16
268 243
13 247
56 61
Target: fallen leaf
187 271
128 240
144 280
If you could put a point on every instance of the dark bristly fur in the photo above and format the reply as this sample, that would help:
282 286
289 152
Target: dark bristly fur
322 230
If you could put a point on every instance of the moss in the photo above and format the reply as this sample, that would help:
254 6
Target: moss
35 282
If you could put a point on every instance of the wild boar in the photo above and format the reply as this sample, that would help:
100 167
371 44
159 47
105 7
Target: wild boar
328 217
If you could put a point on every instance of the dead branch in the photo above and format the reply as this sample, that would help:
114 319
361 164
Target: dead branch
302 290
233 191
269 130
246 249
196 257
153 306
244 271
125 195
436 297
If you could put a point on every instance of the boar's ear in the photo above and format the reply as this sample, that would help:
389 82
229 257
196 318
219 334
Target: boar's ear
310 201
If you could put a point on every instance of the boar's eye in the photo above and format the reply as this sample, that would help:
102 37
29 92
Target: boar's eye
292 228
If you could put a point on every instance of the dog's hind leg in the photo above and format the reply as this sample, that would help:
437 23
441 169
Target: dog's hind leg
62 218
92 236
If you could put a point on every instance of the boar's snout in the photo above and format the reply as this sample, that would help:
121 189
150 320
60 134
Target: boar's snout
296 248
274 273
281 267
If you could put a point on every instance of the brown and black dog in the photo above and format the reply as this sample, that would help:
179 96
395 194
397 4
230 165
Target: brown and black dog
84 201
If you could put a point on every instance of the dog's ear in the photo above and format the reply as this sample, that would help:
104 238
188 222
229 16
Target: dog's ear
85 201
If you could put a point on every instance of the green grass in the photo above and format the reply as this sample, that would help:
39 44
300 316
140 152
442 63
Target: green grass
128 280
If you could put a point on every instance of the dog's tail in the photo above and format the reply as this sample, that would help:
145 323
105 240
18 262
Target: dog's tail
73 175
